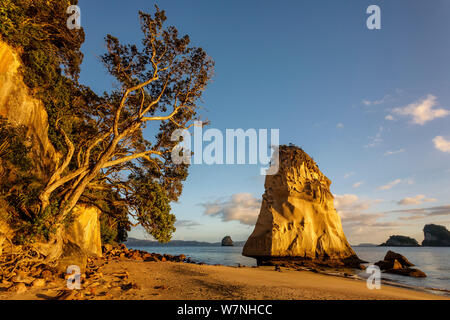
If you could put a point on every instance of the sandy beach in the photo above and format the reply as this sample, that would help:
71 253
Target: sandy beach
137 280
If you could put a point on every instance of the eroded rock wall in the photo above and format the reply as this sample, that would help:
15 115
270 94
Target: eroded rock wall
17 105
298 220
20 108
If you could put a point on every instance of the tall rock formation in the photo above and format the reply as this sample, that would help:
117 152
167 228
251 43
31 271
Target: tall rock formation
436 236
298 221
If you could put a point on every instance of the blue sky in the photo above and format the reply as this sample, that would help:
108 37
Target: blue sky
370 106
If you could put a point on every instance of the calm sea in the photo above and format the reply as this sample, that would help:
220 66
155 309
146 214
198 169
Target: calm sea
434 261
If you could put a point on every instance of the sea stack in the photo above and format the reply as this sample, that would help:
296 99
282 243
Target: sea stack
227 242
436 236
297 222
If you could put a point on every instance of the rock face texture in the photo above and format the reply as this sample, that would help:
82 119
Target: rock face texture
400 241
19 107
85 230
436 236
227 242
395 263
298 221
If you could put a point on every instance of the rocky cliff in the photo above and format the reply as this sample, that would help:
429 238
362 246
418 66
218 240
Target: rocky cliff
298 221
436 236
19 107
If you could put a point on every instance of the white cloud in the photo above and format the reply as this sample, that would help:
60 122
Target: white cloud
392 184
422 111
420 213
389 153
441 144
357 184
348 204
186 224
349 174
375 140
377 102
419 199
352 211
389 117
340 125
242 207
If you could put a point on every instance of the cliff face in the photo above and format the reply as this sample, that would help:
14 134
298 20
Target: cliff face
20 108
298 220
436 236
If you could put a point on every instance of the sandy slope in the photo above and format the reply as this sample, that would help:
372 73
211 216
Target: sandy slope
171 280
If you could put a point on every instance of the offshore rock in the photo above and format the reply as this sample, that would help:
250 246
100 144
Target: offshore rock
400 241
436 236
297 222
395 263
227 242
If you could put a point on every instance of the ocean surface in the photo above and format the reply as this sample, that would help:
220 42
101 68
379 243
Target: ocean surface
434 261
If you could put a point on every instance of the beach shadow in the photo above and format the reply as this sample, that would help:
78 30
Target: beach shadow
45 297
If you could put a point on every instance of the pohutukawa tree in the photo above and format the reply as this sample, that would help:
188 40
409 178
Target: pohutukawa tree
159 87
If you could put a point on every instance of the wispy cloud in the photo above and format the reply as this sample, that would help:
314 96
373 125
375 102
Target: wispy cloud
442 144
340 125
420 213
389 153
186 224
368 103
419 199
358 184
390 185
348 204
375 140
357 222
349 174
421 111
242 207
395 182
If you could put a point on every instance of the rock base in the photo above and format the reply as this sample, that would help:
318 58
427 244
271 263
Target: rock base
351 262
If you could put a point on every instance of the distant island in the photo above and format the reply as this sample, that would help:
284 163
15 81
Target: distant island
133 242
365 245
400 241
227 242
434 236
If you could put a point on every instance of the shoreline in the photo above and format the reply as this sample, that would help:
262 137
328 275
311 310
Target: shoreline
128 279
332 272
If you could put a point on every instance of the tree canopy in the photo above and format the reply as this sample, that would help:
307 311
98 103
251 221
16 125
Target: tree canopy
109 159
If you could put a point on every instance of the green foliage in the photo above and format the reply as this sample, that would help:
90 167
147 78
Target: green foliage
108 233
50 53
151 205
51 58
13 150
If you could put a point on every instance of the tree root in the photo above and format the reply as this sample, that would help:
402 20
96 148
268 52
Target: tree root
23 258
